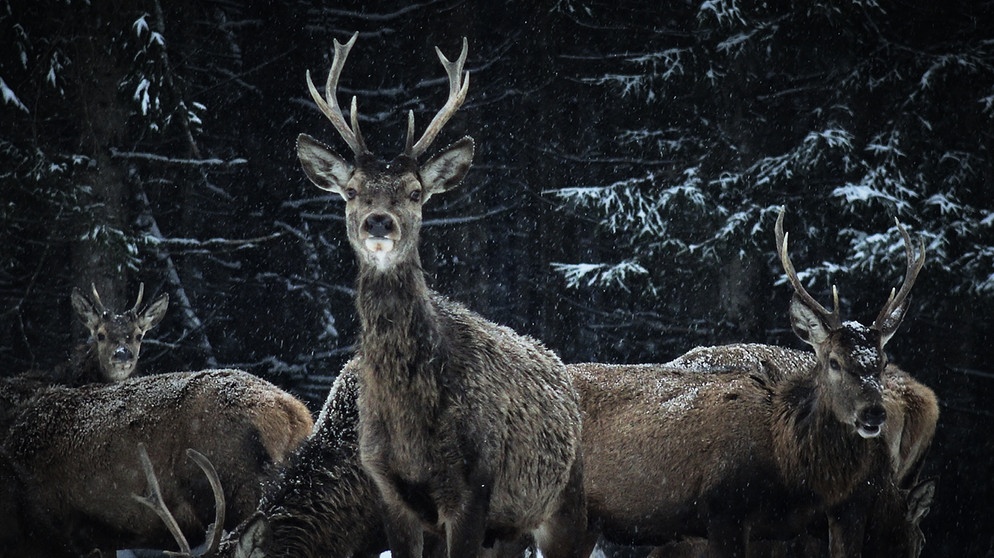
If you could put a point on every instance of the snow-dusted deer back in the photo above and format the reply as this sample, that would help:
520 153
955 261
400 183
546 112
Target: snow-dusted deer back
70 457
467 428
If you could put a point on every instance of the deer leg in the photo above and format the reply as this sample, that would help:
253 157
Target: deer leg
465 532
404 533
559 536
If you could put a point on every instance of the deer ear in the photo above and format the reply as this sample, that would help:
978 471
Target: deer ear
446 169
323 166
807 323
920 499
85 309
154 313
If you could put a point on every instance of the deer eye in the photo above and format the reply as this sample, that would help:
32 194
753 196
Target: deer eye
138 338
350 193
101 337
416 195
835 364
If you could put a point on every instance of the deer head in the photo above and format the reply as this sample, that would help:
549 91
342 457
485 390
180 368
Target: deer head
850 356
118 337
383 200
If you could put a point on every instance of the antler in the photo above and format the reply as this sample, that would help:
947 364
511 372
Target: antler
155 502
138 301
458 87
831 319
330 108
101 309
894 301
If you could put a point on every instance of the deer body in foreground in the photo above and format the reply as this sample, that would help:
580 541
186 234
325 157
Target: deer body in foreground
111 353
71 459
741 455
468 429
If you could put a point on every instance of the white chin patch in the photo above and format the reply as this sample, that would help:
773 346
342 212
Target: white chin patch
868 431
379 244
120 372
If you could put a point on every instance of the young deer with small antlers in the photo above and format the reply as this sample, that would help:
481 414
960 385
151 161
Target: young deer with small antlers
754 452
468 429
111 353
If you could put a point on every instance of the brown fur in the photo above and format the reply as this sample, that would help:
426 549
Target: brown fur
73 454
482 407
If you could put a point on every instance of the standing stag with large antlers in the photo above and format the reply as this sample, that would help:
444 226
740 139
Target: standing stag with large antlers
468 429
763 442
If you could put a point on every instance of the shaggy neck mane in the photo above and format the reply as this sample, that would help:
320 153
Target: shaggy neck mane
399 327
813 449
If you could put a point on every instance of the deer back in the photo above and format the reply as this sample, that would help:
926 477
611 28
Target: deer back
77 450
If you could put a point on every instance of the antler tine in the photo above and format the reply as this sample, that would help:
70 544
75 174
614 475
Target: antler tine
458 87
155 502
329 105
217 529
138 301
101 309
830 318
911 275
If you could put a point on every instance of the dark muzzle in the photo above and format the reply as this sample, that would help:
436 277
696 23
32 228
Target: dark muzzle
379 225
122 354
870 420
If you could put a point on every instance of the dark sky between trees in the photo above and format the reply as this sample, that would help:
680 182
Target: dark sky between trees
631 160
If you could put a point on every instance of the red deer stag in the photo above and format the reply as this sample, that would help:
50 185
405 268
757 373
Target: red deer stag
468 429
111 353
68 454
912 407
741 455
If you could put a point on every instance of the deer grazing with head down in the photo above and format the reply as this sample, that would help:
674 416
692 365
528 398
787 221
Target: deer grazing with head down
468 429
319 502
69 461
757 448
111 353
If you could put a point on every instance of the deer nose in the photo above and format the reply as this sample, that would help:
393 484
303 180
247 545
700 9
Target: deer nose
874 415
122 354
379 224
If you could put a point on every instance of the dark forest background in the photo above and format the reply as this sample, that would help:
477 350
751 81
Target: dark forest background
631 159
